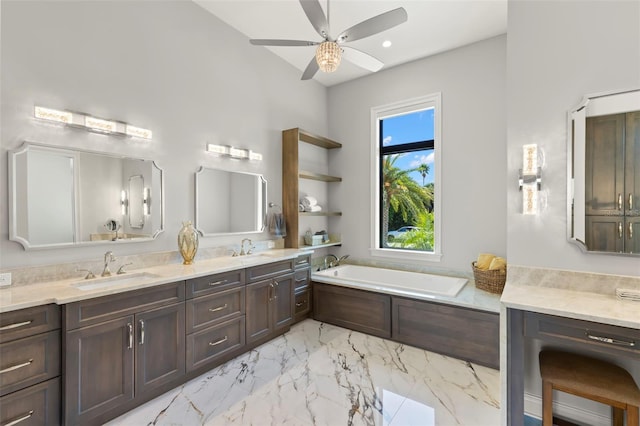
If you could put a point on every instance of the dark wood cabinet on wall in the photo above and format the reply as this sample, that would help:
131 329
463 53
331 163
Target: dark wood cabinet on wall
121 350
612 183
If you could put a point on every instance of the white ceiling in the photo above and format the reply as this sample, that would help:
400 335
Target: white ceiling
433 26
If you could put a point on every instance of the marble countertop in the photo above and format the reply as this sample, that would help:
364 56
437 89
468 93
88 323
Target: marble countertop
66 291
589 297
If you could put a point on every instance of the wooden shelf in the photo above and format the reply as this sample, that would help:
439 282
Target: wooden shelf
319 246
318 176
320 213
320 141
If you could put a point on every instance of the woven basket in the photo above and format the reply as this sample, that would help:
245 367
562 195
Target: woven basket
489 280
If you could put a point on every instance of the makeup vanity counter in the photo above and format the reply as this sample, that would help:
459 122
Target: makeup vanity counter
580 310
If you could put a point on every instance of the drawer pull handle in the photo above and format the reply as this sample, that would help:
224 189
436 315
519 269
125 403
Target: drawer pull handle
301 303
15 367
218 282
301 280
224 339
219 308
610 340
16 325
19 419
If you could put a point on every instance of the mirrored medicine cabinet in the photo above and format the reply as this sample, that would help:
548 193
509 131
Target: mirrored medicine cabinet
61 197
229 202
603 211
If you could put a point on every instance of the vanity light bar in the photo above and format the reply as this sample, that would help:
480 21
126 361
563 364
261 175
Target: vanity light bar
91 123
229 151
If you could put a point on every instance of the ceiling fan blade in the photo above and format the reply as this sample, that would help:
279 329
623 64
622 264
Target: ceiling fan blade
311 70
361 59
316 16
271 42
374 25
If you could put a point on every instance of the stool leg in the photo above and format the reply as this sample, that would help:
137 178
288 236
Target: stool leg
617 416
547 403
633 418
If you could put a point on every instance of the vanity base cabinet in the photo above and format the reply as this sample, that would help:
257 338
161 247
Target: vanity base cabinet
462 333
358 310
114 365
35 405
270 307
302 289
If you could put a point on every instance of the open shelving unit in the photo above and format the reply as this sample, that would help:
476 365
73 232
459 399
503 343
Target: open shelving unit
291 176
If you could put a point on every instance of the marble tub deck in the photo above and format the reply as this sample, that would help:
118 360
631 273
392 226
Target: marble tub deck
319 374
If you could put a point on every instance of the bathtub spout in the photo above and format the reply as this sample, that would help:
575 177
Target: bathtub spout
341 259
330 264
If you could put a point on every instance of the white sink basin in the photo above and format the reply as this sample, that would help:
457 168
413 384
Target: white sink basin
114 281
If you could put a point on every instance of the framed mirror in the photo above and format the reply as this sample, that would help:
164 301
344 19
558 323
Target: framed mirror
65 197
603 190
229 202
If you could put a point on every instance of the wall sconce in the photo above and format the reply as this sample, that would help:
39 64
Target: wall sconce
87 122
229 151
124 203
530 179
146 201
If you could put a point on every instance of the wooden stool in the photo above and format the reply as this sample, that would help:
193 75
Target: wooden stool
588 378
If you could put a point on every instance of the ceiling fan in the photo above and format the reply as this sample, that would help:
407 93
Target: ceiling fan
329 51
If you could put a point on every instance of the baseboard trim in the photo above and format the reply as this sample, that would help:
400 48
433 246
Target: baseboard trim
533 408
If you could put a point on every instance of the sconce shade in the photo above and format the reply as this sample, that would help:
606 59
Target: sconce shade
328 56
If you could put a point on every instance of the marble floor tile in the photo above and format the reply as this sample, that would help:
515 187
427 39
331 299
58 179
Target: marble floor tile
319 374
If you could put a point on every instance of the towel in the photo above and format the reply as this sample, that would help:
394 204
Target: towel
277 225
308 201
313 209
300 207
484 261
498 263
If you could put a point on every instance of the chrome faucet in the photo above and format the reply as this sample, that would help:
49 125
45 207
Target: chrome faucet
242 252
337 261
108 258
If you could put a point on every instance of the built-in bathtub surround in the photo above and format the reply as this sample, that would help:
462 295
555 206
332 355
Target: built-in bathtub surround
319 374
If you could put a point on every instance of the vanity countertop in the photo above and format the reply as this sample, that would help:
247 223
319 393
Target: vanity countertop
64 291
589 297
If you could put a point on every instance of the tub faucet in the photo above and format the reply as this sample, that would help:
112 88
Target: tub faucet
108 258
331 264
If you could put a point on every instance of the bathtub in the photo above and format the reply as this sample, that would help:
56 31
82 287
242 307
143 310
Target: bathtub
402 283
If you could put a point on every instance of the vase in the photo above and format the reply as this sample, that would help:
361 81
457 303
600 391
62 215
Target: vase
188 242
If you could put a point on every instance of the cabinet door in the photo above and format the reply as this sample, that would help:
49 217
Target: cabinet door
98 369
160 347
605 233
283 302
259 296
632 165
604 174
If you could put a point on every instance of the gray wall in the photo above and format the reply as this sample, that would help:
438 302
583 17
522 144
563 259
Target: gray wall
168 66
472 82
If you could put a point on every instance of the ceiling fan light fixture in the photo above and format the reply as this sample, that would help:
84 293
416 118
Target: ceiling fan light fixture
328 56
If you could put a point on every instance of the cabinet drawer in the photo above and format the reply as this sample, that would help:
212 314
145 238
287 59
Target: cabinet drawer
303 261
28 361
101 309
303 303
214 283
303 278
205 311
37 405
206 346
594 336
269 270
462 333
29 321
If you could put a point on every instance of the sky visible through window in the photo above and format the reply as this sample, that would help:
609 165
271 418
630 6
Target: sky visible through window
413 127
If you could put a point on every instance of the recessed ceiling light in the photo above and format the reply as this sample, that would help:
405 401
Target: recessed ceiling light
386 43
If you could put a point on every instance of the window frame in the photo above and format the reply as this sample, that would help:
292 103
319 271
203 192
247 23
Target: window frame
381 112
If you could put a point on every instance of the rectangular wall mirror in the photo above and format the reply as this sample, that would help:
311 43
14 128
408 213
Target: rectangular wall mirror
65 197
229 202
603 212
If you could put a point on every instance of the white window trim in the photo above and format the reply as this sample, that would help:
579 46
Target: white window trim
389 110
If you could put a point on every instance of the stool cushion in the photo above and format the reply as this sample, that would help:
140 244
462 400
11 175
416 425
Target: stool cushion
588 376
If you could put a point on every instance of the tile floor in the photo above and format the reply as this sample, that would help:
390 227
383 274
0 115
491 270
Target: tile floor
319 374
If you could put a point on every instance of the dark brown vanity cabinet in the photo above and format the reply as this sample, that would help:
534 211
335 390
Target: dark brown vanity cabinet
302 290
122 350
215 319
612 183
30 366
269 300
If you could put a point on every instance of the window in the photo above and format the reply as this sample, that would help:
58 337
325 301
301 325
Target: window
405 178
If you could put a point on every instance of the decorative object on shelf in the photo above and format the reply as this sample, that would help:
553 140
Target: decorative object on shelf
310 204
330 50
188 242
277 224
94 124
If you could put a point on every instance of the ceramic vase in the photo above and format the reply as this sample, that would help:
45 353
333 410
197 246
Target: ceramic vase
188 242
